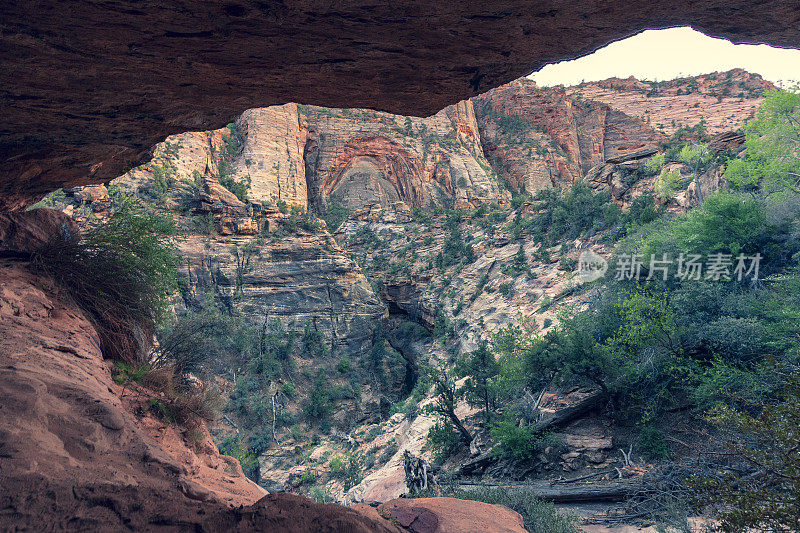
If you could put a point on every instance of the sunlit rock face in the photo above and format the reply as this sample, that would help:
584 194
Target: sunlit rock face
723 101
360 157
272 156
542 137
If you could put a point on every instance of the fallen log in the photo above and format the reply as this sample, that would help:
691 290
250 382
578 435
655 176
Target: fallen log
478 464
562 417
582 493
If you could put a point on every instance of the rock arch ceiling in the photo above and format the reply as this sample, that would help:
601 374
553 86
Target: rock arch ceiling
375 170
89 87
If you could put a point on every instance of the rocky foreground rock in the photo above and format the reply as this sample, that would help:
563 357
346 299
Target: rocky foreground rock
74 458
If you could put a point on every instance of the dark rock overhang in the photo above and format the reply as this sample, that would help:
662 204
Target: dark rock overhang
88 87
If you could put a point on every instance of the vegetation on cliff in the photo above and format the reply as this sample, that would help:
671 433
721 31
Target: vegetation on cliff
720 346
122 272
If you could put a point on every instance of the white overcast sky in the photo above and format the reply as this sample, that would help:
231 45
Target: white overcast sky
667 54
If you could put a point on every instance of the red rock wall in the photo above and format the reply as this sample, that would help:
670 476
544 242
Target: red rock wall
541 137
361 157
724 100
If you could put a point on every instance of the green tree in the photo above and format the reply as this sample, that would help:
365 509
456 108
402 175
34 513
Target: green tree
772 160
446 398
769 500
698 158
480 368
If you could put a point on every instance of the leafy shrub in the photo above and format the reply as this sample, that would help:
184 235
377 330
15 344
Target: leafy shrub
517 442
127 373
506 289
578 211
299 219
454 249
53 200
318 405
239 188
247 457
652 443
337 465
443 440
307 477
567 264
653 165
668 184
348 470
344 365
195 338
643 211
122 273
313 342
335 215
320 495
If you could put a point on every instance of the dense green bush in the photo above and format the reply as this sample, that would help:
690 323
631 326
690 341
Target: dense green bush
455 249
443 440
667 185
300 219
654 345
237 187
335 215
652 443
318 405
348 470
313 341
247 457
121 272
516 441
580 212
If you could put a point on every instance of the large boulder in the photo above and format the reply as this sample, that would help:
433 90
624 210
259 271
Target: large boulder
22 232
450 515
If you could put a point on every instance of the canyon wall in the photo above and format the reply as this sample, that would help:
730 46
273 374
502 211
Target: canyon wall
541 137
360 157
272 155
724 101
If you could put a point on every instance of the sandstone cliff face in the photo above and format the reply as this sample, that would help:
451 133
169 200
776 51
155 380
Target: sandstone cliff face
723 100
271 158
359 157
264 148
65 430
540 137
298 280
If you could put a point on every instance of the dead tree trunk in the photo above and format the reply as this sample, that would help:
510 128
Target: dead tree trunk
419 474
562 417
